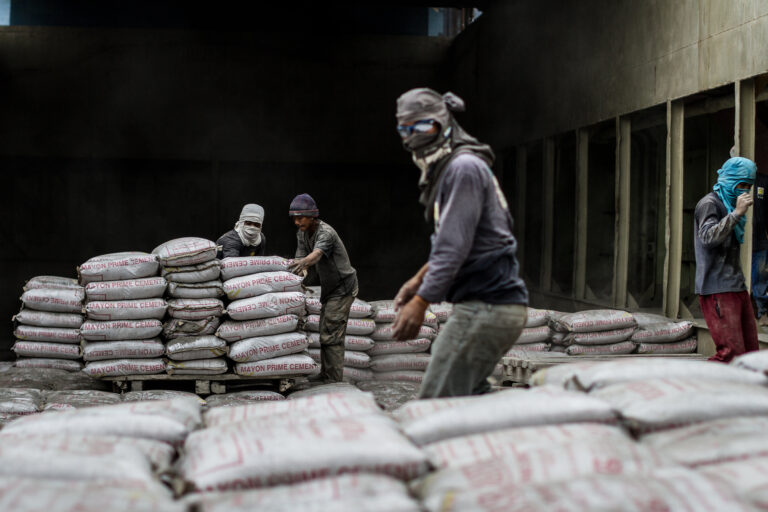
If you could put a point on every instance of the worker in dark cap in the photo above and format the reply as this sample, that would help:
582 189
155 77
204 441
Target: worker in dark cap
318 244
473 260
246 239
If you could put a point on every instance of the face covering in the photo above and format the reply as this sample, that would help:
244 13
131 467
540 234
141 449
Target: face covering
249 235
734 171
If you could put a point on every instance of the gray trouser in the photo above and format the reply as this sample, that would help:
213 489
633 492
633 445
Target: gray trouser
470 344
333 327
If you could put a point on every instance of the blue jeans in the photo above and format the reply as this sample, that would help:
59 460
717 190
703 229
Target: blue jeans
760 281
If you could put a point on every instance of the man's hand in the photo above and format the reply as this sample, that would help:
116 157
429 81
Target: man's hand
743 202
409 319
406 293
298 267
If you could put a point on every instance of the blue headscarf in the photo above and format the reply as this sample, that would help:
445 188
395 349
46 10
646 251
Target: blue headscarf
734 171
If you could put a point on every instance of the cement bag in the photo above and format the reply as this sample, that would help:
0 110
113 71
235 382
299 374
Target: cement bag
663 332
741 476
52 282
241 456
118 266
624 347
598 338
236 331
442 311
400 376
320 389
284 366
469 450
675 347
119 367
359 308
175 328
53 364
267 347
55 301
506 409
243 398
194 309
20 401
593 320
545 464
668 489
395 362
133 349
400 347
333 405
267 305
162 420
360 326
351 359
43 349
385 332
162 394
352 374
520 350
712 442
537 318
357 343
208 289
128 289
259 284
197 367
93 330
754 361
656 404
137 309
196 347
614 372
53 334
200 273
347 493
47 319
534 335
390 395
76 398
247 265
384 312
185 251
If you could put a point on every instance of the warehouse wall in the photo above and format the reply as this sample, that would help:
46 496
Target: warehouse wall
114 140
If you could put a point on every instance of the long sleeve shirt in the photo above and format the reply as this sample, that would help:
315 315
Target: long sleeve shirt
232 246
718 264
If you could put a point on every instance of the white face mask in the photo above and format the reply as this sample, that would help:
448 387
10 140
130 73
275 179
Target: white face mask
249 235
251 232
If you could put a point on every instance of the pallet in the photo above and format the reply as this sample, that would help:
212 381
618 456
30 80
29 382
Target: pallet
204 384
519 368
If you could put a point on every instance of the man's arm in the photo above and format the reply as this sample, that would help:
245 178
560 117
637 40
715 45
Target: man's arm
411 286
230 248
713 231
301 265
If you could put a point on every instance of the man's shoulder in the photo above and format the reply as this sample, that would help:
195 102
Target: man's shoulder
467 165
229 236
709 202
326 229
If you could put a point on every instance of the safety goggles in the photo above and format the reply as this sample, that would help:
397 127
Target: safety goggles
423 126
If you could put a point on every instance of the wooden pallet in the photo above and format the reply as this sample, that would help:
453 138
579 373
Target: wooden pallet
204 384
519 368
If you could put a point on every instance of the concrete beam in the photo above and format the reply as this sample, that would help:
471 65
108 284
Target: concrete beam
621 231
744 142
521 168
548 215
580 238
673 237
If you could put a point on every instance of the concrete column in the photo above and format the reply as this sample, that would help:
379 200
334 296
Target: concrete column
548 215
744 142
580 238
521 168
673 237
621 231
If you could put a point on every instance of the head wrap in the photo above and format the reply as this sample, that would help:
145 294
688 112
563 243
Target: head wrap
734 171
250 235
432 158
303 206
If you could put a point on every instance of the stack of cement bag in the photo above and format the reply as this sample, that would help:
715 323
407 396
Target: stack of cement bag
194 307
536 335
658 334
400 360
266 304
443 311
356 360
124 310
594 332
48 325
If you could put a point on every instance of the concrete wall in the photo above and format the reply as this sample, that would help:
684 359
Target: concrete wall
114 140
532 69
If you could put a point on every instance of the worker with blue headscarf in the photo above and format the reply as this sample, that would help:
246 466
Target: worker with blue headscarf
718 226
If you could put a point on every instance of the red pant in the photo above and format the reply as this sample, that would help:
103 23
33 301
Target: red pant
731 323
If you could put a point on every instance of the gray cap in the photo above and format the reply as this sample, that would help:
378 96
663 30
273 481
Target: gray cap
252 213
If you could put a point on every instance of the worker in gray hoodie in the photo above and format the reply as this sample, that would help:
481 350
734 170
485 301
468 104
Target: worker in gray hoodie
246 239
472 262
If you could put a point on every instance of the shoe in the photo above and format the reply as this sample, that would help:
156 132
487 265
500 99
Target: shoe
763 322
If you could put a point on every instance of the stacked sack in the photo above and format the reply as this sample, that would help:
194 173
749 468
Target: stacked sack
658 334
124 310
393 360
356 342
48 325
194 306
594 332
266 304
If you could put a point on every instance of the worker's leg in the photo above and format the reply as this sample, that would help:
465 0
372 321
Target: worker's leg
333 327
748 326
469 346
722 312
760 284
